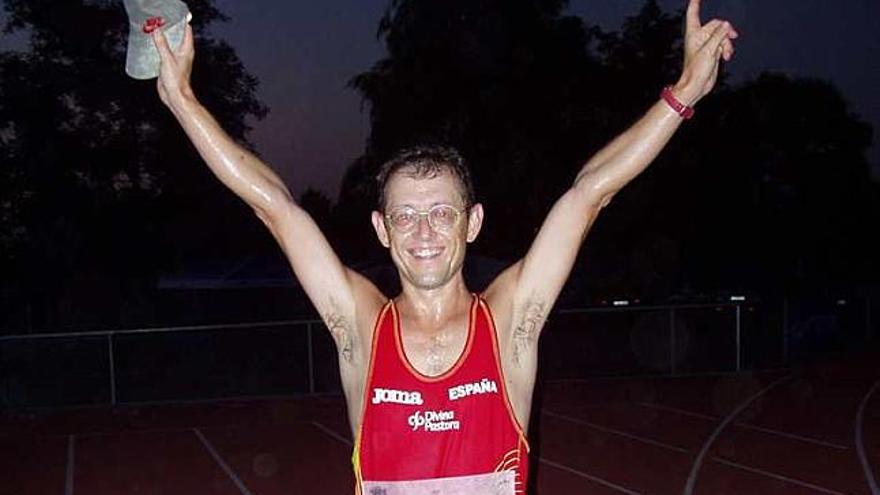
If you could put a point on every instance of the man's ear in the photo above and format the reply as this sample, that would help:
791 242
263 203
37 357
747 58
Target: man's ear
475 222
381 231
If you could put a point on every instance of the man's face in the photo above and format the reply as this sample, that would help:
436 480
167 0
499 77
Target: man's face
426 257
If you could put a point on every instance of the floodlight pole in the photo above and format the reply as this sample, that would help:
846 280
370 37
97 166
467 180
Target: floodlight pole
112 364
311 359
738 340
672 341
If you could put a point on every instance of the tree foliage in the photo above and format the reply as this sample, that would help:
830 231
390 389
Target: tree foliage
756 192
786 193
100 185
503 81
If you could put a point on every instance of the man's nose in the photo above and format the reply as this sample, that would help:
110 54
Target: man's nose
423 227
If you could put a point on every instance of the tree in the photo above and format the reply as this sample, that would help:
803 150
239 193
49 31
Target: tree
528 94
787 199
105 188
500 80
318 205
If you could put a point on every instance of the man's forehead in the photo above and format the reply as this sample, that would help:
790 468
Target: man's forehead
405 188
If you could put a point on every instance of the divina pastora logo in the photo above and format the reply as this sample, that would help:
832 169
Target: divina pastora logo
434 421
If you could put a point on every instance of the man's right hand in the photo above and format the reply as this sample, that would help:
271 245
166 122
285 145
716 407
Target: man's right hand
175 67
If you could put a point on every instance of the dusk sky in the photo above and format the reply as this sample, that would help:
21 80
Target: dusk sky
304 53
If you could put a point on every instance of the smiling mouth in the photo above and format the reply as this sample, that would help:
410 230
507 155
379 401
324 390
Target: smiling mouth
425 253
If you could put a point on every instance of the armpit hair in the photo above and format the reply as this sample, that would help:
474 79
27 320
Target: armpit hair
528 328
342 332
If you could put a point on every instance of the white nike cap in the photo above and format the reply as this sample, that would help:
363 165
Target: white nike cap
144 16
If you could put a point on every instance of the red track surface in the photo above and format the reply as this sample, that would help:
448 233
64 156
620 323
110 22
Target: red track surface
606 436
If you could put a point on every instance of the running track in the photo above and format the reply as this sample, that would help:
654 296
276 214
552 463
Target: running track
802 431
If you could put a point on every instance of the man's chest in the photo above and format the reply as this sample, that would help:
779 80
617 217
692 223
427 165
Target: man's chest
434 352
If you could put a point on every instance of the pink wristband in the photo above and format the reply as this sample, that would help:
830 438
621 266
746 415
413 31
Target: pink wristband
680 108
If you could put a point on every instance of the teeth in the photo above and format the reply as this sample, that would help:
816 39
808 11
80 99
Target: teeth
425 253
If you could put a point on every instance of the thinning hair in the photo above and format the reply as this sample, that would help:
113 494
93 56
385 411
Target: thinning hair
427 162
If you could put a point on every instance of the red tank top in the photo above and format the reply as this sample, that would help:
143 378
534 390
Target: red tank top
453 433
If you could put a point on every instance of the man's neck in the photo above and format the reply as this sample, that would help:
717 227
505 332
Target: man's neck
434 305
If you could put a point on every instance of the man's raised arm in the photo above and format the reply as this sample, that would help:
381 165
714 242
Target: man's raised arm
528 289
331 287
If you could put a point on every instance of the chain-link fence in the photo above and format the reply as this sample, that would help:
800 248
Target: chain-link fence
296 357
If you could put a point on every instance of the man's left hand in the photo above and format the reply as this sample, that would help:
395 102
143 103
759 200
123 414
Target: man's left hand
705 45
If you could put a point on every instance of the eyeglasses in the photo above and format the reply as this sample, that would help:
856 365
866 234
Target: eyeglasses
441 218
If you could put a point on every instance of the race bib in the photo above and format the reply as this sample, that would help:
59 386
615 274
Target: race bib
502 483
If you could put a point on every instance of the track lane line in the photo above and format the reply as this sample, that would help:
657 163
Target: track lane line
71 465
330 432
748 426
698 462
590 477
228 470
780 477
792 436
860 444
615 432
658 376
153 431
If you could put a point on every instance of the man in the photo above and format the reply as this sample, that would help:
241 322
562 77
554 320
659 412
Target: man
438 388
